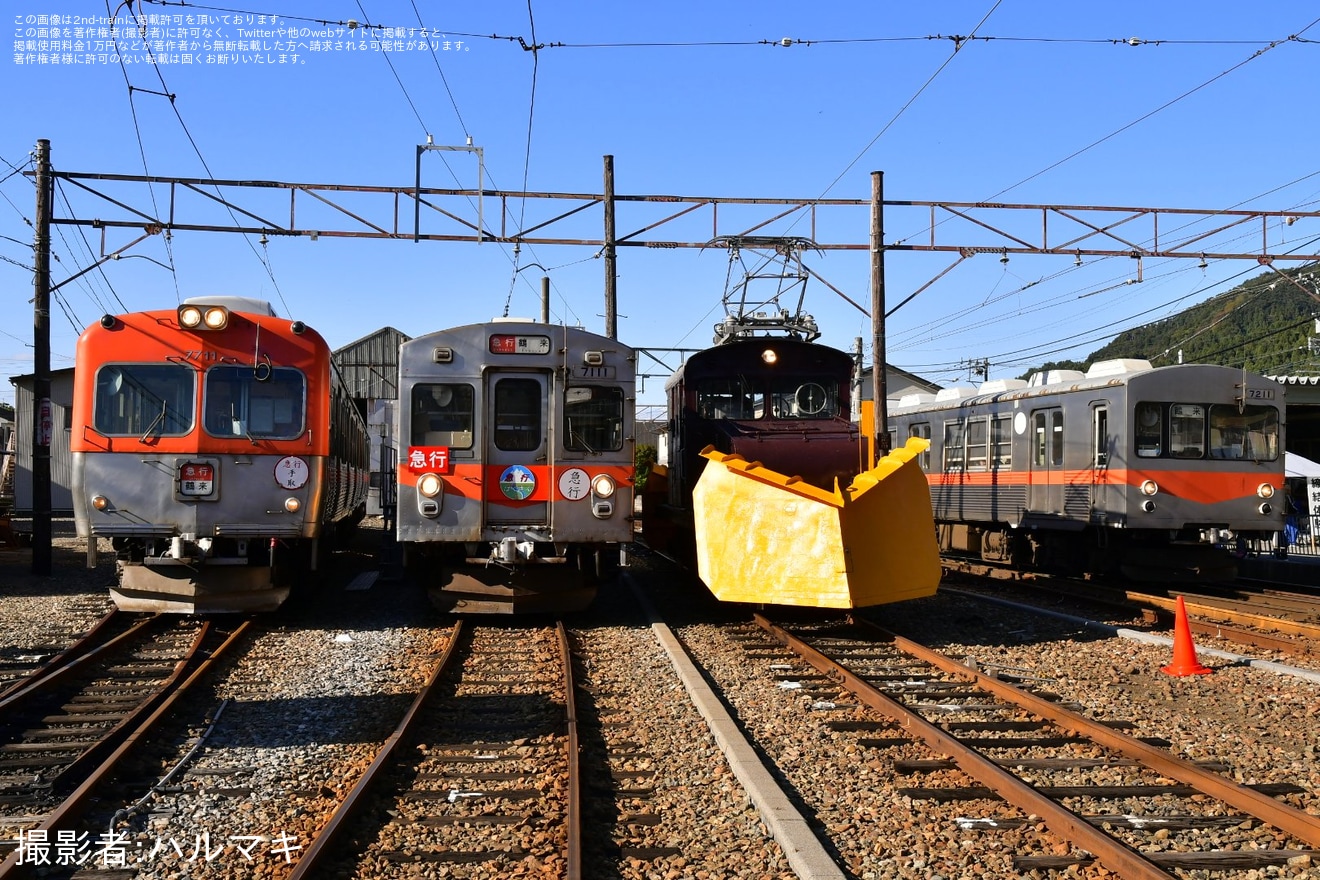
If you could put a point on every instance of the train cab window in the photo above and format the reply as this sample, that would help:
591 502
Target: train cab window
1186 430
953 446
729 398
1001 441
141 400
808 399
977 438
518 409
1149 430
1251 434
593 418
442 415
261 402
922 430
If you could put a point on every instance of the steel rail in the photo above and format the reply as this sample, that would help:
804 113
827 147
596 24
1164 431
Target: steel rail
574 816
72 807
1109 851
1290 820
35 684
63 658
308 863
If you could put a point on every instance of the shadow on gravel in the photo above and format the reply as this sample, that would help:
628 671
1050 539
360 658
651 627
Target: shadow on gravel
304 721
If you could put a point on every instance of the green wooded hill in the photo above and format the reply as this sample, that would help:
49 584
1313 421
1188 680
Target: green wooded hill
1262 325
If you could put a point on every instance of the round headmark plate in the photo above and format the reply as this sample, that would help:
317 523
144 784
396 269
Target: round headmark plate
574 484
517 482
291 472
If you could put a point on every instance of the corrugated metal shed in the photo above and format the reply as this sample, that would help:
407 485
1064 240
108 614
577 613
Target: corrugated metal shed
370 365
370 368
61 460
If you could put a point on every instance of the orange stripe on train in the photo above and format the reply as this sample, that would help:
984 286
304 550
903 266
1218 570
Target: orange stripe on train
1204 487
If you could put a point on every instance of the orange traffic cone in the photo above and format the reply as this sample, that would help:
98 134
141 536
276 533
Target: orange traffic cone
1184 652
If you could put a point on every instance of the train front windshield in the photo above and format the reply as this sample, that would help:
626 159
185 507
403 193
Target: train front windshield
795 398
255 402
144 399
1218 431
593 419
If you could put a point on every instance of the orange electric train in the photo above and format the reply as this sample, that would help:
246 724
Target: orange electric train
216 447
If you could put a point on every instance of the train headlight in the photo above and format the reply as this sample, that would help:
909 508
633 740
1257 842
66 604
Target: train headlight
292 505
430 485
1150 487
769 356
1266 508
602 486
216 318
100 502
1265 490
190 316
1148 506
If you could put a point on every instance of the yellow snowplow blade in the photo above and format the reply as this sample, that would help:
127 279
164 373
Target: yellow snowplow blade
766 538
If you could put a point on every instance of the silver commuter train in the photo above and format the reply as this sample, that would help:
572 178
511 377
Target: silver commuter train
515 488
1126 468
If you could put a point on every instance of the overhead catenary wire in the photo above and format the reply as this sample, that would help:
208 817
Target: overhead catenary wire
165 92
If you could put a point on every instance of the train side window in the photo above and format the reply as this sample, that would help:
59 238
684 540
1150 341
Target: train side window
977 442
1249 435
442 415
1001 441
518 415
1039 438
1056 438
243 402
728 399
1149 430
922 430
140 399
1187 430
1100 437
953 446
593 418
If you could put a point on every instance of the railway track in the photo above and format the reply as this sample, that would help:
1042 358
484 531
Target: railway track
69 725
490 771
1014 758
1279 621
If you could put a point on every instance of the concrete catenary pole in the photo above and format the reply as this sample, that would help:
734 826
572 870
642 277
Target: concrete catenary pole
879 383
611 270
42 428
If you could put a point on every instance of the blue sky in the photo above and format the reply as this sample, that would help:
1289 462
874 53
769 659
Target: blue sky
1210 110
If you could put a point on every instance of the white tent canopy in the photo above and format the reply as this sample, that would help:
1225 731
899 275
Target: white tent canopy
1296 466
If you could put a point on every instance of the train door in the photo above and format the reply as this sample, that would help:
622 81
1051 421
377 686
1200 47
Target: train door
1100 449
1045 494
517 410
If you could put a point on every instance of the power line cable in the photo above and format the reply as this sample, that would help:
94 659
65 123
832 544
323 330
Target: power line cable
166 93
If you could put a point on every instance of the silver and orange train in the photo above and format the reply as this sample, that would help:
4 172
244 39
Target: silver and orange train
216 447
1123 469
515 475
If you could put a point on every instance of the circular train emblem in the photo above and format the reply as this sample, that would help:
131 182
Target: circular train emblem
517 482
574 484
291 472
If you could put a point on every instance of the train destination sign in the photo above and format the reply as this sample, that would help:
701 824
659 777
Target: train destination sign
196 478
507 343
434 459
